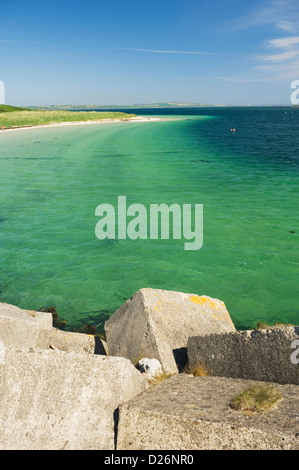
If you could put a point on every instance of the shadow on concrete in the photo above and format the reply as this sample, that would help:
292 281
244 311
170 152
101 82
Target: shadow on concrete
99 348
181 358
115 419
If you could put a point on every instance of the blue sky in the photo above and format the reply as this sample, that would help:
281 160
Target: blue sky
231 52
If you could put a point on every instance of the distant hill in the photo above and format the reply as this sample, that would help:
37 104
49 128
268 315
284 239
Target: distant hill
5 108
78 107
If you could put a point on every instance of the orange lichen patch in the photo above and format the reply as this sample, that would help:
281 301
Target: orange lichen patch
204 301
195 299
199 300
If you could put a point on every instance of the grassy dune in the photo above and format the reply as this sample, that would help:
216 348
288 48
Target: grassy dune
19 117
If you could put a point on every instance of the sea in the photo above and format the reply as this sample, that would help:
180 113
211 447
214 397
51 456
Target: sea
240 164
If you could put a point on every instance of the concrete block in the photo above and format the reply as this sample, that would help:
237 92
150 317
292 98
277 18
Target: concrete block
157 324
76 342
264 355
24 327
194 413
53 400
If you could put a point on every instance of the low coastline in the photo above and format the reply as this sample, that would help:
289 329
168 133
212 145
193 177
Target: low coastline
76 123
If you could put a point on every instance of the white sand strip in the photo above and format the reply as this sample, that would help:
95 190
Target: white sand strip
76 123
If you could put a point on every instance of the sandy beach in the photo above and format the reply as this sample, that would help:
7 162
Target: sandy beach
76 123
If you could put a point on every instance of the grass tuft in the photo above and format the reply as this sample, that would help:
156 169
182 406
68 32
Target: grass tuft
160 377
201 370
259 398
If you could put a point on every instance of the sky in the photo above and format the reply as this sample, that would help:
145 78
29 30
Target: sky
116 52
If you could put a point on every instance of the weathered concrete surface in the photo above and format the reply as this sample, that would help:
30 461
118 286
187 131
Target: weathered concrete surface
76 342
24 327
28 328
194 413
157 324
256 354
57 400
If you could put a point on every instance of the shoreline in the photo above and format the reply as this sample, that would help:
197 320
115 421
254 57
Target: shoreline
76 123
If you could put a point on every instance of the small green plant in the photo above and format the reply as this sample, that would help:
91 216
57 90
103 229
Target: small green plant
259 398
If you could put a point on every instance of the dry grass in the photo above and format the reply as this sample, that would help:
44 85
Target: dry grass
259 398
158 378
201 370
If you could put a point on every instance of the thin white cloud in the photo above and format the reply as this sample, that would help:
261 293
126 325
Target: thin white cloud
238 79
12 41
284 64
280 13
284 43
235 79
159 51
280 57
278 73
288 26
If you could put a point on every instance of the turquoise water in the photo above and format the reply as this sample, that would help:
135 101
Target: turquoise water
53 179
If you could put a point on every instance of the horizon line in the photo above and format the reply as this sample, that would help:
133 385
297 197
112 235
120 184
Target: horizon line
156 105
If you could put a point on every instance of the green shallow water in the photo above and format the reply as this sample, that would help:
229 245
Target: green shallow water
53 179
